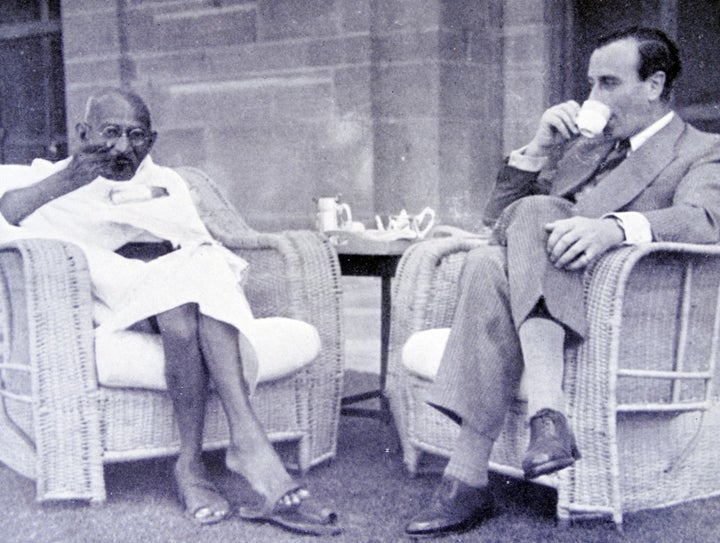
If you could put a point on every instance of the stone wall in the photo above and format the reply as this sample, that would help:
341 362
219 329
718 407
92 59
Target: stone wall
390 103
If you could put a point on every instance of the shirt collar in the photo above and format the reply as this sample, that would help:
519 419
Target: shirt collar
641 137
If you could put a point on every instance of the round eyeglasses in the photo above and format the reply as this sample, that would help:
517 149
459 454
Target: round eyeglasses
136 136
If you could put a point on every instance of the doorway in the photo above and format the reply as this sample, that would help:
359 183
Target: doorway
32 89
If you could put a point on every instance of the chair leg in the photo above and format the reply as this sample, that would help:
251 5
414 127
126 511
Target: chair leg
411 456
304 454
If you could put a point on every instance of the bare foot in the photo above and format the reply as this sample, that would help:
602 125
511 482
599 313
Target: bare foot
296 512
199 496
265 473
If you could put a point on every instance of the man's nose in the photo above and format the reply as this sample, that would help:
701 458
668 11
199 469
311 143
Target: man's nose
595 94
122 144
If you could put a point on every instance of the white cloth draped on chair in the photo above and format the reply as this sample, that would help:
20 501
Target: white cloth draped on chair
126 291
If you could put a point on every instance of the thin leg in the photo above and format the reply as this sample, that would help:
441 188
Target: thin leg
186 377
187 381
250 453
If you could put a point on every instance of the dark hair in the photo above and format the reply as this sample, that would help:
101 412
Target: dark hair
138 104
658 53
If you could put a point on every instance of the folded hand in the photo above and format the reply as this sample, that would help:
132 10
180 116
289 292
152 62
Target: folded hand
573 243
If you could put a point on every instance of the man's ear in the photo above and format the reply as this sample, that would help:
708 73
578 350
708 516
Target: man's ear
82 129
656 85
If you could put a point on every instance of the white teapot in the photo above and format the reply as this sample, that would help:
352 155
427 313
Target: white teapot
332 215
419 225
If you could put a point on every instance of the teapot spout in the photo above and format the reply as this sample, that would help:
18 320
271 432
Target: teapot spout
379 224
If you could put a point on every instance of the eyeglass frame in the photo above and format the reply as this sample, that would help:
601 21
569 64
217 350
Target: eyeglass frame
147 135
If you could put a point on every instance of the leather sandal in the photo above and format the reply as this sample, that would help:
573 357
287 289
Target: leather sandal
202 502
302 518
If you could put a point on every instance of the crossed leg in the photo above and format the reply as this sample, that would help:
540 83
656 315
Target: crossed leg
187 380
197 348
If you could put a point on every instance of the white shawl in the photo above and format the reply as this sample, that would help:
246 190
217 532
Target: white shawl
127 291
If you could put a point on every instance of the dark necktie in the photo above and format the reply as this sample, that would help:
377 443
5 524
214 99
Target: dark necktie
612 159
617 154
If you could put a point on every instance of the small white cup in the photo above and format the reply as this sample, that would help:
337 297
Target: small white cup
592 118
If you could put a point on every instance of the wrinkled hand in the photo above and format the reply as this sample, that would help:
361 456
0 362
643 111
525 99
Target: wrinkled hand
87 164
573 243
557 125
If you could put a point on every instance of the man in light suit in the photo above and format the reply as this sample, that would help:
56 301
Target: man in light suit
559 203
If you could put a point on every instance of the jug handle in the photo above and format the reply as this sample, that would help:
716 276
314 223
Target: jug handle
344 209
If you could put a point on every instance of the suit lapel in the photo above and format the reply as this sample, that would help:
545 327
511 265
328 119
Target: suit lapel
634 174
578 164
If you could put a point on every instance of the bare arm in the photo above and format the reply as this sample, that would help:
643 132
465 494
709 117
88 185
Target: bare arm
85 166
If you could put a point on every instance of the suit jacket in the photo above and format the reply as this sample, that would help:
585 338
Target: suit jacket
673 179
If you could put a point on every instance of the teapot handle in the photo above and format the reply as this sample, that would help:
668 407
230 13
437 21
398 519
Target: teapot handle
421 217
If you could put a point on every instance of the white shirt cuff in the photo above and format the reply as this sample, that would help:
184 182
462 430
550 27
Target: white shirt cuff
635 226
526 163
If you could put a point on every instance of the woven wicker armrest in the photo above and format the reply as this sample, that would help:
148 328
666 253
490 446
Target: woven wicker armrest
652 313
667 292
49 384
425 289
291 274
296 274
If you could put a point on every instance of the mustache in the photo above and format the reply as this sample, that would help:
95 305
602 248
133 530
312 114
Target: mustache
108 154
122 160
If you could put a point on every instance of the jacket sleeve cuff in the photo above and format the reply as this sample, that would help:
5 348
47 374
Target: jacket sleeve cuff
526 163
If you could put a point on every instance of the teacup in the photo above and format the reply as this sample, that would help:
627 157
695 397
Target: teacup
592 118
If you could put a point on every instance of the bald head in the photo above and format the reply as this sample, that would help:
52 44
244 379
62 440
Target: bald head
115 101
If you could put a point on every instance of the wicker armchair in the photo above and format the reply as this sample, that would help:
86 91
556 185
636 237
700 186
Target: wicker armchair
642 392
58 426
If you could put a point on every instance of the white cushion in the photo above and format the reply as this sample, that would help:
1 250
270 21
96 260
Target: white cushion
423 351
136 359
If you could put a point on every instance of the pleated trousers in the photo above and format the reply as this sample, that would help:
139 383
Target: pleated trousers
500 286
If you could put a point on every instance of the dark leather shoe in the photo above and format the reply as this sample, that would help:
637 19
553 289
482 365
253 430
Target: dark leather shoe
455 507
552 444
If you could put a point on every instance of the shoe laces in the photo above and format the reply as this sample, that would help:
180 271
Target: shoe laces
544 422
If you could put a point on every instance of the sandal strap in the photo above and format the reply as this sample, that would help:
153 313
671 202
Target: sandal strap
270 504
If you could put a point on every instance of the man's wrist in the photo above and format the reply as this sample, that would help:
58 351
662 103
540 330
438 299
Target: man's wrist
522 161
619 227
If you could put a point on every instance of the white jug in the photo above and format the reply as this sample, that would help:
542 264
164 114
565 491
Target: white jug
332 215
